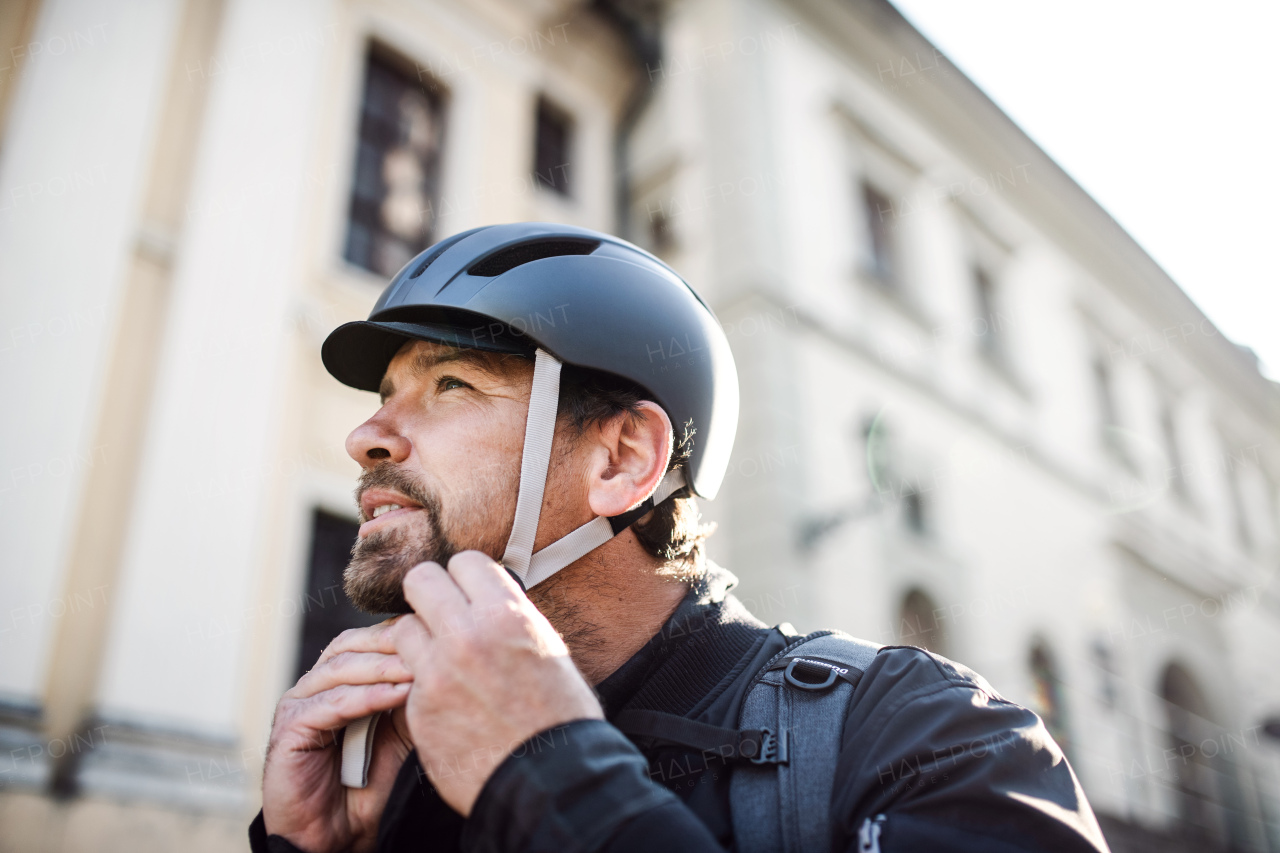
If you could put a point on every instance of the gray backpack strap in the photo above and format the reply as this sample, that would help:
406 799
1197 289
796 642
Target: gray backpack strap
802 695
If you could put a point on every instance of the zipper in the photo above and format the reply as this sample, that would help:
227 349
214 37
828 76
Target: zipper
869 834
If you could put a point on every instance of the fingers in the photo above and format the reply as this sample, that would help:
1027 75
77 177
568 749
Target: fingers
375 638
311 723
351 668
412 642
434 596
482 580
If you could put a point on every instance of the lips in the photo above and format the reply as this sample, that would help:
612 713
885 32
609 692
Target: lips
381 507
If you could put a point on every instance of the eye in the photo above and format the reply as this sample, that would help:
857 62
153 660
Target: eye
448 383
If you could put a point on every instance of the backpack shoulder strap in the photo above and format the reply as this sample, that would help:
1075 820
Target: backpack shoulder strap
802 695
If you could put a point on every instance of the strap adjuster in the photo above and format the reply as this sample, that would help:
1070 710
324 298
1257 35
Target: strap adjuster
810 667
763 746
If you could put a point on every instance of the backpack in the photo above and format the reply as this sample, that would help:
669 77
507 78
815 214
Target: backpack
786 746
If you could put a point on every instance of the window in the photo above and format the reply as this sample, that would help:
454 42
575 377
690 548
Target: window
553 136
1192 777
326 610
662 237
1175 473
918 623
879 214
1047 694
892 484
395 192
1239 509
986 325
1105 663
1109 430
914 513
1105 394
878 457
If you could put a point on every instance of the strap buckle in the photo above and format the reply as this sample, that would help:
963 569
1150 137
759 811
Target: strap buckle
771 748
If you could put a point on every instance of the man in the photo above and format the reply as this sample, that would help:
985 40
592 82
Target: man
553 398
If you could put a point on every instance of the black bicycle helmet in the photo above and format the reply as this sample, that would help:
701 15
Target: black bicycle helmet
565 295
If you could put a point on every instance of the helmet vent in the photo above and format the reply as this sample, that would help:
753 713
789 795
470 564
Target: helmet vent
437 251
535 250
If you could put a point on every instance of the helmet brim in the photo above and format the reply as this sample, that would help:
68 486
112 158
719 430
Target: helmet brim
357 353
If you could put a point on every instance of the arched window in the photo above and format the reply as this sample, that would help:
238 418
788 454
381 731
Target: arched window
919 623
1191 775
1047 698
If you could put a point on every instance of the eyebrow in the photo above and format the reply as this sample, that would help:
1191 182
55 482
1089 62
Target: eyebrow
425 362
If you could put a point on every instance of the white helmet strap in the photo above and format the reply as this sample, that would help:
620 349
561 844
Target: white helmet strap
532 569
539 430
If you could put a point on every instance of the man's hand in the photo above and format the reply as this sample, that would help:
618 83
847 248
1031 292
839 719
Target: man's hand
489 672
302 796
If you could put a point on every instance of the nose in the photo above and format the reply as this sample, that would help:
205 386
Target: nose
378 440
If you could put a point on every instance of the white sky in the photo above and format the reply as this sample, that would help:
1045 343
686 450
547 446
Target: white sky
1167 112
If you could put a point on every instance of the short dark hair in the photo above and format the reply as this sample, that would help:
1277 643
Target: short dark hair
672 532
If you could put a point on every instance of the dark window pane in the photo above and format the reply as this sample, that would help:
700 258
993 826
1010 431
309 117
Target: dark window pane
1104 395
395 187
1048 700
1196 781
326 611
878 210
919 624
986 325
662 238
914 513
552 139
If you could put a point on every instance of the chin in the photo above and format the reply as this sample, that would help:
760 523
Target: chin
374 578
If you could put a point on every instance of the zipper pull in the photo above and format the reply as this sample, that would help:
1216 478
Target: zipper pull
869 835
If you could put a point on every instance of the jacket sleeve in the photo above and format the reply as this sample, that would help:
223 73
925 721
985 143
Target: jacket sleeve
260 842
933 759
577 788
414 818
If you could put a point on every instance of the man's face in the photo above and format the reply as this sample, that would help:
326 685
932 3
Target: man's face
441 462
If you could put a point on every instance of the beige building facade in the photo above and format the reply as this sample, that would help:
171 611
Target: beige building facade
976 416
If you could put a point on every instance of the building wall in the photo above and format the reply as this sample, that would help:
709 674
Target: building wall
1050 521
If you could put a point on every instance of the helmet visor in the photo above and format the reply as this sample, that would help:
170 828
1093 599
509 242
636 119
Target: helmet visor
357 353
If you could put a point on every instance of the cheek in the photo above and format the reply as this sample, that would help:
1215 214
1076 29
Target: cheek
477 463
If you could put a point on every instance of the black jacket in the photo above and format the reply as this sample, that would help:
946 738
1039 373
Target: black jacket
928 744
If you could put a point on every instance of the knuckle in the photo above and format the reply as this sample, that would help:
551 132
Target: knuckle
400 632
337 644
286 715
353 636
389 666
343 695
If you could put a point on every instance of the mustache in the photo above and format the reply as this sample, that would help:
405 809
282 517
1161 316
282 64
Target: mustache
388 475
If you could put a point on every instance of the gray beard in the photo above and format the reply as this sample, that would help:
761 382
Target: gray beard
374 579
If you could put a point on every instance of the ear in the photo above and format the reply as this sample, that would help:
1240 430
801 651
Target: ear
628 460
